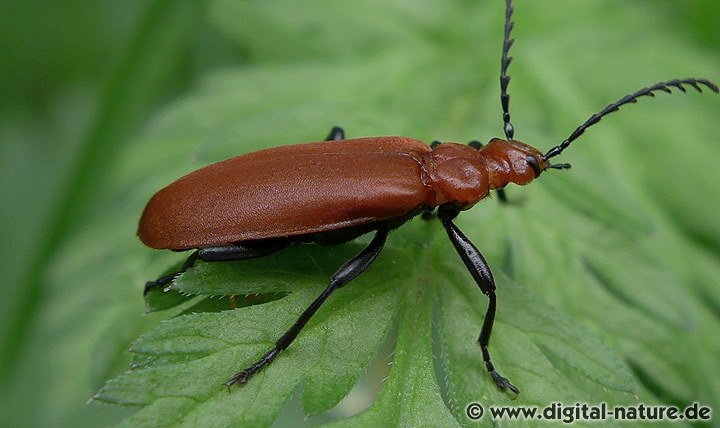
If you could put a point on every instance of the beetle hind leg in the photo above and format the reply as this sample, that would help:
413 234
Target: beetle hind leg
166 279
346 273
218 254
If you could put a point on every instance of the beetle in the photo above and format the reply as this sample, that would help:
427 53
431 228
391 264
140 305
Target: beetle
333 191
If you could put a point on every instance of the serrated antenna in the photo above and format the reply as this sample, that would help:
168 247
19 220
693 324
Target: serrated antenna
627 99
504 78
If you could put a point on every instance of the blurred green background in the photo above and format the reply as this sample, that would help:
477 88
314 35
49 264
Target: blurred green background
81 81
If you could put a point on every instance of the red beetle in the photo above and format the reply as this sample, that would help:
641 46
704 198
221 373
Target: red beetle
334 191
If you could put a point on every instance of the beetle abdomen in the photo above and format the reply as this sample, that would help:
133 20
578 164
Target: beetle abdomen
289 191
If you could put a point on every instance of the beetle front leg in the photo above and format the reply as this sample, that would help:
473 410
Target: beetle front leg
347 272
480 271
336 134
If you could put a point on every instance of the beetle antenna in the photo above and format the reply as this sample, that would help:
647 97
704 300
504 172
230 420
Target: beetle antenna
504 64
627 99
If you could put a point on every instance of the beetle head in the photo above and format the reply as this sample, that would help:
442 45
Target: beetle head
523 162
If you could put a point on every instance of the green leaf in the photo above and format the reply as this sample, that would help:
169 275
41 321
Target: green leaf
201 351
588 306
607 274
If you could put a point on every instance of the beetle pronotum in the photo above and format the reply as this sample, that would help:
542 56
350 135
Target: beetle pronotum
334 191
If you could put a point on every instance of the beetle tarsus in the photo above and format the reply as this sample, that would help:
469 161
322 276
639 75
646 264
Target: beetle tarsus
160 282
503 383
164 280
241 378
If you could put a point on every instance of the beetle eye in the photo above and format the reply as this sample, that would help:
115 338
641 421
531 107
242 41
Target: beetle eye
534 164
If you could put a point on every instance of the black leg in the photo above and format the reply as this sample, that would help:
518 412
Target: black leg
347 272
336 134
239 252
482 275
163 280
215 254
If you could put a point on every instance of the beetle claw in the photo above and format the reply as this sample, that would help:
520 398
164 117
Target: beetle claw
503 383
240 379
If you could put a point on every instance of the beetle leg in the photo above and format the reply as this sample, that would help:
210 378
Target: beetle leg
428 215
163 280
231 252
346 273
482 275
215 254
336 134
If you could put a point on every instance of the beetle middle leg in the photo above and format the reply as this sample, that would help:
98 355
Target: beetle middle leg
346 273
480 271
218 253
